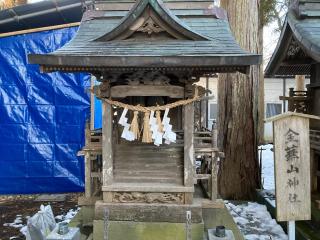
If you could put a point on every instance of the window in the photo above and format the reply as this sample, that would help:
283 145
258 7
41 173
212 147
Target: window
273 109
213 108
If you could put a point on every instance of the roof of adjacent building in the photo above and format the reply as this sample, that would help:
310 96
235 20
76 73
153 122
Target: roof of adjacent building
299 43
150 35
41 14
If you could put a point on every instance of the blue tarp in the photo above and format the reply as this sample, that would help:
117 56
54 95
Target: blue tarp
42 118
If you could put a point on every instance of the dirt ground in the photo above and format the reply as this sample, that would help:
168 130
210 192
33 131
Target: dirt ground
24 205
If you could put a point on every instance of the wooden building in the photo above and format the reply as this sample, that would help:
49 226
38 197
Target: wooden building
149 53
298 53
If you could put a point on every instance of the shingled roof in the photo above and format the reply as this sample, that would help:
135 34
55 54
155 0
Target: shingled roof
299 43
151 36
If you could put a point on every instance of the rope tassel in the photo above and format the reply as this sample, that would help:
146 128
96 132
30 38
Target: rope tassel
146 136
134 127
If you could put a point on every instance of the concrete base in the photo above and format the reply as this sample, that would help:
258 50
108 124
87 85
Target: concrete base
119 230
155 230
217 217
143 212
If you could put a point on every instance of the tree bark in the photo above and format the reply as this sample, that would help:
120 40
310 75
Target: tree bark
239 101
11 3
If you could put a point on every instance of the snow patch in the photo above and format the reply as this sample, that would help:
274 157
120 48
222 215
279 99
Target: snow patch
17 223
68 216
268 167
255 222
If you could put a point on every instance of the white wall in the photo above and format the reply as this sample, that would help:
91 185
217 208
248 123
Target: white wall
213 87
273 89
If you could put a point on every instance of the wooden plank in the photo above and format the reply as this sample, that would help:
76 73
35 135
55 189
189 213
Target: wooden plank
107 151
188 144
202 176
147 90
205 150
292 168
146 187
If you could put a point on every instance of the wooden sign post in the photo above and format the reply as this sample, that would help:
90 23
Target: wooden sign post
292 168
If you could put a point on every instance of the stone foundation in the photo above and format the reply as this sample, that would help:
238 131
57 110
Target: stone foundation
120 230
141 212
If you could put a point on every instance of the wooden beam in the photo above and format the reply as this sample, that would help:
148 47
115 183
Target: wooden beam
147 187
147 90
39 29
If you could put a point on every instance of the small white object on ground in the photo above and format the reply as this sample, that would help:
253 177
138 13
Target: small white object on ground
255 222
41 224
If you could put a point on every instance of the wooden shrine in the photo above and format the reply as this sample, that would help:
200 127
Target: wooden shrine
146 55
297 56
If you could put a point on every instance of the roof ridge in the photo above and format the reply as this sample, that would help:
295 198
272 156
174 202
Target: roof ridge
306 8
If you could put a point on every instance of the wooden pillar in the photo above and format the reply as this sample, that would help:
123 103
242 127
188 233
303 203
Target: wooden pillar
188 127
300 82
88 179
107 151
188 144
214 181
92 103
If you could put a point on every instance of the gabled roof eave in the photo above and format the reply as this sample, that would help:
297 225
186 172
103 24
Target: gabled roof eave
157 5
280 51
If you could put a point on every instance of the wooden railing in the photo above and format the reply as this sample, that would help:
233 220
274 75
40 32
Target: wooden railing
207 152
298 101
92 152
315 139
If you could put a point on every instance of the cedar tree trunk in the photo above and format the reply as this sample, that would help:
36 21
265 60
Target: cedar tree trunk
239 101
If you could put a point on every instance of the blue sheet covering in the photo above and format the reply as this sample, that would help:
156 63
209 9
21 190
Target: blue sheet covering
42 118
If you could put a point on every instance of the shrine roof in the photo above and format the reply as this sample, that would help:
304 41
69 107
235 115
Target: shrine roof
299 43
150 36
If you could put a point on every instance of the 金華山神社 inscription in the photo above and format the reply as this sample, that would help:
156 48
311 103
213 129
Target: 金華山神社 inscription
292 168
292 156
